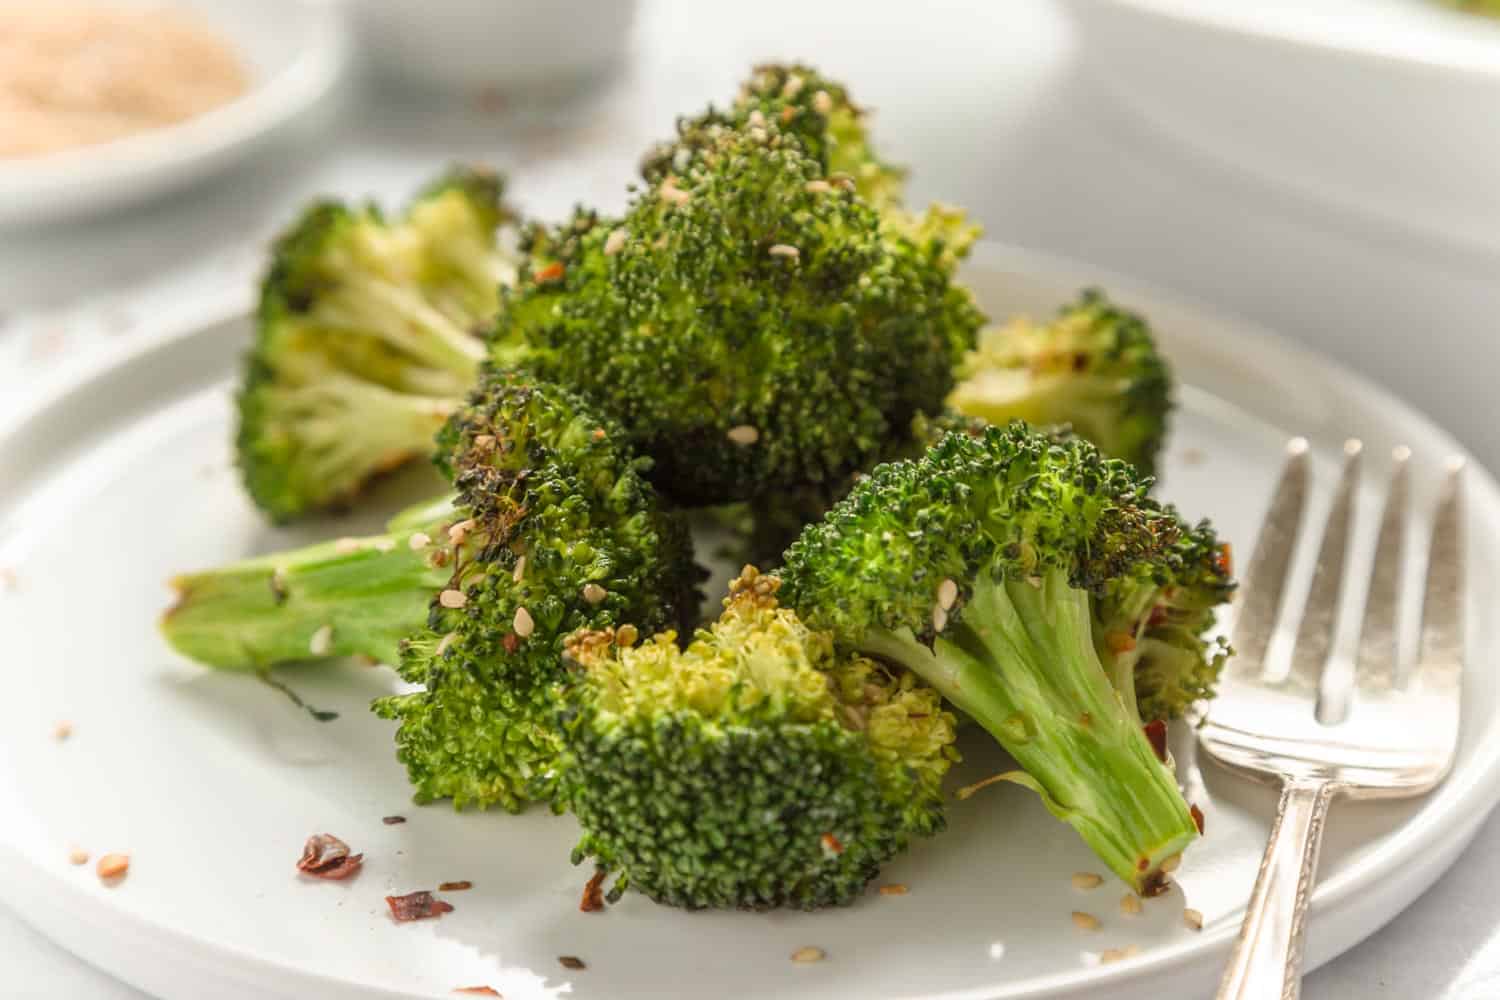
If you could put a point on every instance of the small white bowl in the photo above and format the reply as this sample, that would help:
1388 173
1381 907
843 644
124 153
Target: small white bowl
501 45
1384 108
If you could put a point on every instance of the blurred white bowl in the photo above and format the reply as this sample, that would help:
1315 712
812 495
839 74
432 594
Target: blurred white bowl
1388 108
504 45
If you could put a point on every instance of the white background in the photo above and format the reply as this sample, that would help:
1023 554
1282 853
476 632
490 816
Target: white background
997 112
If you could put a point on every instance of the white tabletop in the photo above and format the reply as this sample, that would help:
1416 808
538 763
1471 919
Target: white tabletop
998 113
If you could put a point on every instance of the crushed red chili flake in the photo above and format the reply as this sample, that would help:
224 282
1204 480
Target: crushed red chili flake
1224 559
831 844
511 642
593 893
1197 815
326 856
551 272
1156 733
458 886
392 820
478 991
571 962
417 906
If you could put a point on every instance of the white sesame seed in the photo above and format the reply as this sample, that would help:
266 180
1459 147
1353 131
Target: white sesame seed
614 242
809 954
451 598
419 541
321 641
523 623
78 856
1086 880
1130 904
460 531
1085 921
783 250
947 594
1192 919
1109 955
444 643
817 187
822 103
62 730
113 866
744 435
792 87
344 546
671 193
939 618
593 593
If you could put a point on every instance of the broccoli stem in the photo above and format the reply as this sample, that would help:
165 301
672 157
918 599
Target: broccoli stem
1021 661
356 597
403 318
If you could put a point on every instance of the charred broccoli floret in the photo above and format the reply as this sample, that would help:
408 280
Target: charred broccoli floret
368 335
747 321
755 768
1011 571
1094 367
551 529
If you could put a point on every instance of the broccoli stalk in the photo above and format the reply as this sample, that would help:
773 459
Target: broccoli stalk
1013 571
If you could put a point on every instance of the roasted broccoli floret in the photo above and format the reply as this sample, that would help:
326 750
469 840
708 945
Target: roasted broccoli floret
551 529
369 333
1094 367
747 321
754 769
1011 570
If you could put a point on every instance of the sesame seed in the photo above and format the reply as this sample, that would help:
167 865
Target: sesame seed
444 643
1085 921
571 962
78 856
672 194
792 87
1192 919
817 187
1109 955
1170 864
1130 904
947 594
419 540
451 598
822 103
614 242
523 623
1086 880
62 730
593 593
784 250
744 435
939 618
893 889
344 546
519 573
808 954
113 866
460 531
321 641
626 635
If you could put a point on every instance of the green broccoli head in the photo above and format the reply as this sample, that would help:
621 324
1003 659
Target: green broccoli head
748 322
1094 367
754 769
988 567
368 334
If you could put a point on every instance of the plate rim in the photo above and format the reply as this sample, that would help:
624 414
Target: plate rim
1478 791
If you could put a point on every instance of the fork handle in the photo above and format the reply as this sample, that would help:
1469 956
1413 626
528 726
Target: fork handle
1267 959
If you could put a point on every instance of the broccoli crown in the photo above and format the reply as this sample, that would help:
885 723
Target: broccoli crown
1094 367
368 334
1002 567
754 768
747 321
553 531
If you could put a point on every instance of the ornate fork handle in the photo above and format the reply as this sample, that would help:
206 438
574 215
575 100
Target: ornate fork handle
1267 959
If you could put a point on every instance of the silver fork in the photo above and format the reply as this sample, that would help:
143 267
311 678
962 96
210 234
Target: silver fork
1380 732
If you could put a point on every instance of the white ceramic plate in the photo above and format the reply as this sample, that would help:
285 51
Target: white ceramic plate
119 474
295 51
1379 108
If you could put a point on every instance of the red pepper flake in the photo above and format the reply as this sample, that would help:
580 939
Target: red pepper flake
1156 733
552 272
1197 815
458 886
593 893
1120 642
478 991
392 820
511 642
417 906
326 856
571 962
1158 616
1224 559
831 844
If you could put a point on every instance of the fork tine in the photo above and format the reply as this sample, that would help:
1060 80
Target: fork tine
1316 633
1440 660
1265 576
1379 642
